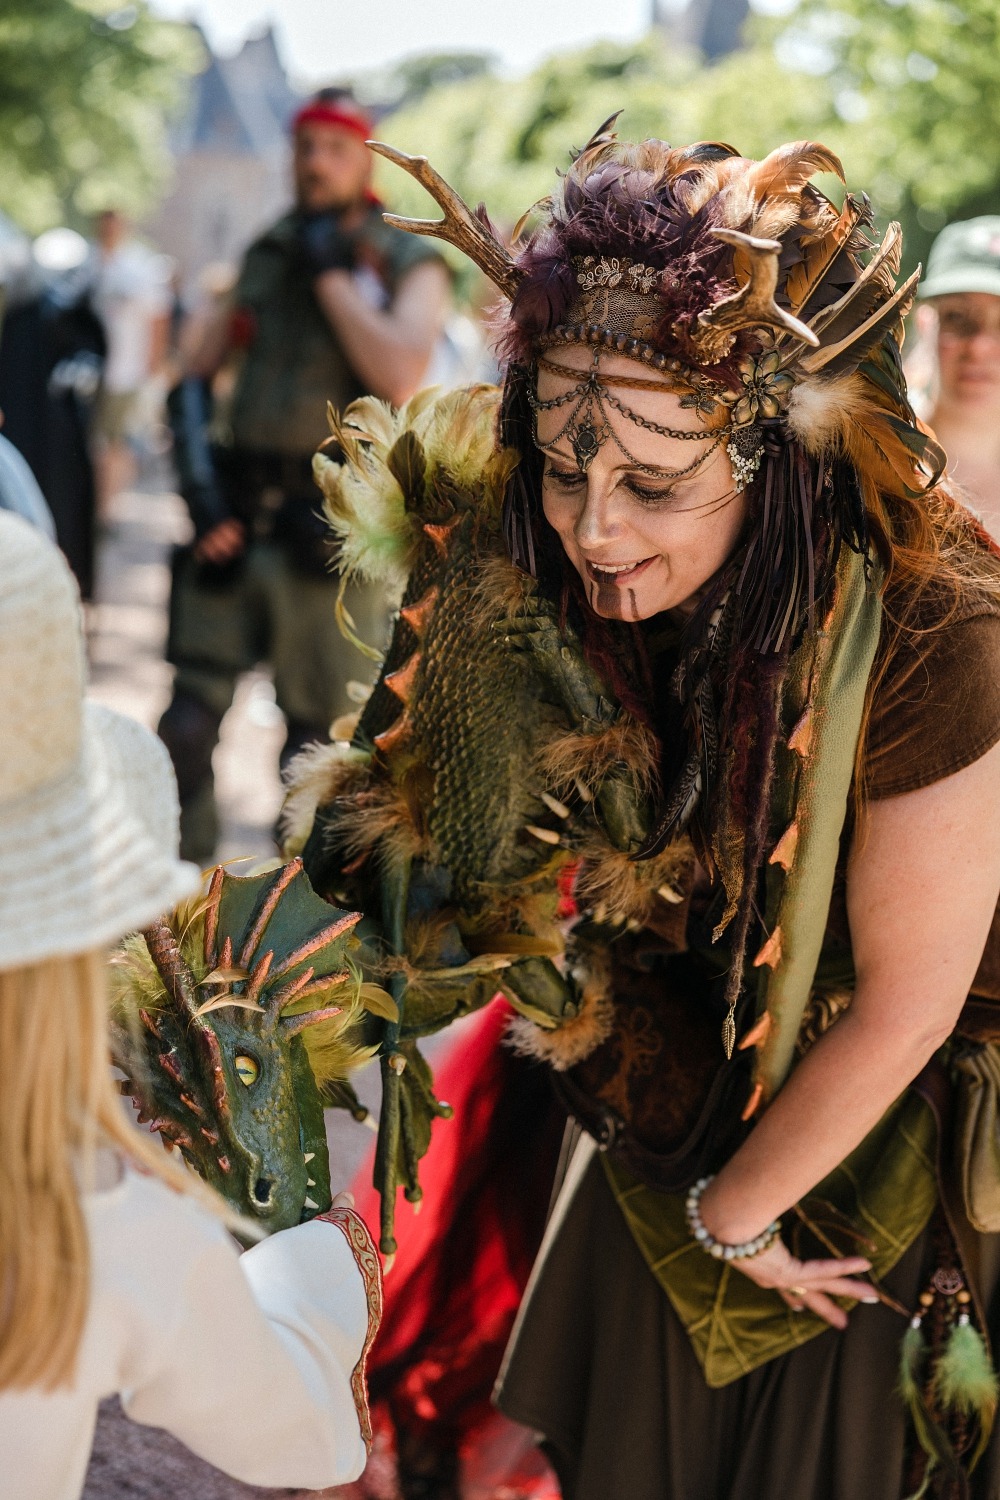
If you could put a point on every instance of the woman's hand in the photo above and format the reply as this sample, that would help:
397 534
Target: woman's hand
809 1284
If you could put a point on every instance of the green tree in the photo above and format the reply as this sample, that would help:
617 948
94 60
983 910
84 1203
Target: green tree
904 90
86 88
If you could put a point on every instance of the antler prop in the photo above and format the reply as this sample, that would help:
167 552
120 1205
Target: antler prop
459 227
753 306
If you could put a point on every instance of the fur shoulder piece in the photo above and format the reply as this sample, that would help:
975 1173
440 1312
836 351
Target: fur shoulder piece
403 470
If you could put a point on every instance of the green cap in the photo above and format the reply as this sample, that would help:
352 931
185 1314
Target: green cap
965 257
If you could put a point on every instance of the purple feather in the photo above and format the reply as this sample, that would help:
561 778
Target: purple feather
624 211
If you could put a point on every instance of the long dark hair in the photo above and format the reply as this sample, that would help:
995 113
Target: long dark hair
722 697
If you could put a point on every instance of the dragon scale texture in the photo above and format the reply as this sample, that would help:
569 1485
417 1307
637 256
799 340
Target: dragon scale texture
490 766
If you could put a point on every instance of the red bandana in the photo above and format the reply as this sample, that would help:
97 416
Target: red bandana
345 116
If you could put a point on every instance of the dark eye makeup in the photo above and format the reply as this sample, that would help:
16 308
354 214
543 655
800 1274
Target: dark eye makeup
572 479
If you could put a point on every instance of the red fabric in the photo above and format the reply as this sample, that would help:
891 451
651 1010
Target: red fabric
344 117
242 328
463 1262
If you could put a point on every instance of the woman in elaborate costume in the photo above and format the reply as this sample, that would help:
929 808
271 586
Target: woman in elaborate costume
712 474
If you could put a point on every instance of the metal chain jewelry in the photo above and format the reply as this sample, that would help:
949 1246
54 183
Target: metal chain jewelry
586 438
744 446
716 1248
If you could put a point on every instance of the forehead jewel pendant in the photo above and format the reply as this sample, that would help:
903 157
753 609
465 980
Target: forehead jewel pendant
585 445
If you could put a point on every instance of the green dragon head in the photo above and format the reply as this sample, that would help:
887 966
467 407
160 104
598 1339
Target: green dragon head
230 1017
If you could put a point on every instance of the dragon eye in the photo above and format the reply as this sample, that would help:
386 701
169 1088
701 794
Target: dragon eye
247 1069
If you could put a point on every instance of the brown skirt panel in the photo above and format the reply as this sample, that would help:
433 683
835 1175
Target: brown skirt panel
603 1371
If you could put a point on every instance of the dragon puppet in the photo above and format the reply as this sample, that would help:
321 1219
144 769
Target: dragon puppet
479 785
233 1017
491 771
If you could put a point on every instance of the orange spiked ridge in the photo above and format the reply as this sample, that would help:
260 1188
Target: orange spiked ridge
216 1065
418 615
402 682
439 533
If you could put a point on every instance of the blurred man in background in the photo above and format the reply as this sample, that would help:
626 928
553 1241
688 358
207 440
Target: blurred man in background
330 304
961 317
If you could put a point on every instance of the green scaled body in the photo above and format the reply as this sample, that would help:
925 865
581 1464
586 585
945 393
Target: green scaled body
488 762
230 1017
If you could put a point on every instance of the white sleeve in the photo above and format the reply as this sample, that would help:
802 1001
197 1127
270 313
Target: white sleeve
256 1362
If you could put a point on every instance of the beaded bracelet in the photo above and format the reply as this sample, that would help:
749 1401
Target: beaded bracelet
715 1247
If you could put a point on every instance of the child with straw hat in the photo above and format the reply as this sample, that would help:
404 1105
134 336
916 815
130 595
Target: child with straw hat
116 1272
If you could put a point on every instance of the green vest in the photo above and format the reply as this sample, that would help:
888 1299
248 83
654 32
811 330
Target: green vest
294 364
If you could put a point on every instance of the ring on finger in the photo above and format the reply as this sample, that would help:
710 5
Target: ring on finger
796 1291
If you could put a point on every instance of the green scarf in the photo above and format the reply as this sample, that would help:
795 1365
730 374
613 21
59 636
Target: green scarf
886 1187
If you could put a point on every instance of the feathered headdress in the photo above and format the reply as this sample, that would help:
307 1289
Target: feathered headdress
752 294
740 287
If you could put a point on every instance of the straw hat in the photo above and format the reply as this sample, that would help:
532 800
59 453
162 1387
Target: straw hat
88 802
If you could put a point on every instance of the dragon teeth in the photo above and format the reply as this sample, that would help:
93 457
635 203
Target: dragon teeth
307 1156
554 805
309 1182
311 1204
546 835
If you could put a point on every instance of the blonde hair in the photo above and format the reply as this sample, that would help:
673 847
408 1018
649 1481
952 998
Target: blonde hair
58 1105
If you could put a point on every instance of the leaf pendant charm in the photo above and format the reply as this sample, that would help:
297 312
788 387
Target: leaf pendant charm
729 1032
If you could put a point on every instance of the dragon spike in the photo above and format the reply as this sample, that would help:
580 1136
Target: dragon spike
149 1023
224 1163
459 227
440 534
170 965
258 974
753 306
753 1103
292 1025
281 997
192 1104
282 880
328 934
758 1033
210 1045
226 956
398 731
323 982
401 682
168 1062
212 915
418 615
303 987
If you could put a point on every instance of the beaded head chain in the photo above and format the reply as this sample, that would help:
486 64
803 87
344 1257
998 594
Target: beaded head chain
747 292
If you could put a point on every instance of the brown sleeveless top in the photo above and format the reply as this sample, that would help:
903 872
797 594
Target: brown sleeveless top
657 1088
935 710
